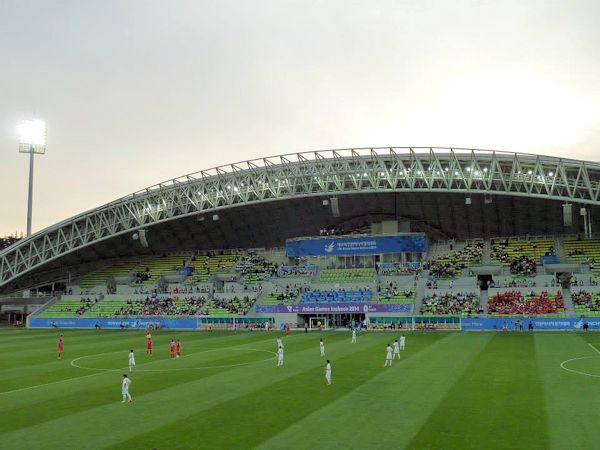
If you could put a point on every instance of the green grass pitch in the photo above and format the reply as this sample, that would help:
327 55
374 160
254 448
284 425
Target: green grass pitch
450 391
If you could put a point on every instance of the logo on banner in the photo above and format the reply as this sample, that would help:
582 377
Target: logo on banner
289 308
329 247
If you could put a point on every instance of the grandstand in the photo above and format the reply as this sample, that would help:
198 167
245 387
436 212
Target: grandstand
70 306
337 296
120 269
346 275
451 303
586 251
517 304
368 261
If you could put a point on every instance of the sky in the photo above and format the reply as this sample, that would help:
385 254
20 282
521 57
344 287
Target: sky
138 92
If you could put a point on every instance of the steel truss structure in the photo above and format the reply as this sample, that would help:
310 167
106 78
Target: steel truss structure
319 173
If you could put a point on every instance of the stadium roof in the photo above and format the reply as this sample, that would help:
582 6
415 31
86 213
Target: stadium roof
262 202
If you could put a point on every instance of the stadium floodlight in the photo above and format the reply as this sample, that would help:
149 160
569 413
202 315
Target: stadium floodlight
32 136
32 140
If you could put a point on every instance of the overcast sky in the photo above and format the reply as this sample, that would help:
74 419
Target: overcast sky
137 92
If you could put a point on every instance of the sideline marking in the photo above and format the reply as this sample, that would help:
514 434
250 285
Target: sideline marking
48 384
597 351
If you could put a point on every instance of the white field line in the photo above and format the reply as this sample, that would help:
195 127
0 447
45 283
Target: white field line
101 371
562 364
597 351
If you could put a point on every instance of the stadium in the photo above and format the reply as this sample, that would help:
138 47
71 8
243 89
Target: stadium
486 262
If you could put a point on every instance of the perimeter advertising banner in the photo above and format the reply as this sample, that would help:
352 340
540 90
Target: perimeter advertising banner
139 323
512 324
333 308
360 245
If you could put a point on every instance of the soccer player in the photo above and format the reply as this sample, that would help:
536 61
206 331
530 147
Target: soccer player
402 342
131 360
353 336
178 348
279 342
280 356
396 349
328 373
388 356
60 347
125 388
322 347
148 344
172 348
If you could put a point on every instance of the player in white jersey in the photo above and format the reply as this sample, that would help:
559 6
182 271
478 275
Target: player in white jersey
131 360
125 388
279 343
280 356
328 373
388 356
322 347
353 336
396 349
402 342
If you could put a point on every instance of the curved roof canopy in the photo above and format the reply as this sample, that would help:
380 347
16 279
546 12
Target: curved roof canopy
319 173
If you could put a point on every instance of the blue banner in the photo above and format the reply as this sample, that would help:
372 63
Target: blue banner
136 323
360 245
538 323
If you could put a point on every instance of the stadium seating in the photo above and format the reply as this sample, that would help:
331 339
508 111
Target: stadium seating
341 296
205 266
280 298
347 275
586 304
70 306
450 303
395 295
298 271
583 251
394 269
451 265
118 269
521 255
255 269
226 307
158 266
166 306
514 303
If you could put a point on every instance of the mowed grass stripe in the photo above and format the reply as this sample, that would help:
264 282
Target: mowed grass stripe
103 389
93 408
571 399
387 410
22 370
81 382
265 412
497 403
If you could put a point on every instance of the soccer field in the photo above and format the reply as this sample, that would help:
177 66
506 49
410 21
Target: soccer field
449 390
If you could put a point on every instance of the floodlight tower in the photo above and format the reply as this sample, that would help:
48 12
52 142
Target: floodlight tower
32 140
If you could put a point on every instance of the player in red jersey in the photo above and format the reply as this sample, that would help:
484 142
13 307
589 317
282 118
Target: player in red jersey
178 348
60 347
148 344
172 348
